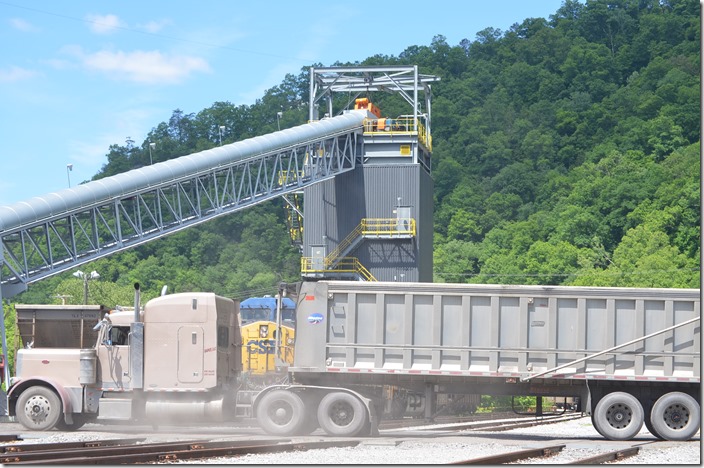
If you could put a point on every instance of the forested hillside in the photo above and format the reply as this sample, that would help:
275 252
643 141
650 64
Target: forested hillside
566 151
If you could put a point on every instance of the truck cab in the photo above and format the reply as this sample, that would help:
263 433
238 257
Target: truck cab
178 358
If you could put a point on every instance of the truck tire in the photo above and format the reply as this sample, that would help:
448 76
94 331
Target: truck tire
281 413
38 408
675 416
79 420
618 416
649 426
594 425
342 414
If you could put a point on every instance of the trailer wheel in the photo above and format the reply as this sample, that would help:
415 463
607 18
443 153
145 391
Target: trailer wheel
649 426
38 408
618 416
594 424
281 413
342 414
647 416
675 416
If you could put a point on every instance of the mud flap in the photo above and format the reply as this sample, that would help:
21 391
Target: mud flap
373 419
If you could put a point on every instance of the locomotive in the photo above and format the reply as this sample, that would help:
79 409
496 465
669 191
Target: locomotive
266 352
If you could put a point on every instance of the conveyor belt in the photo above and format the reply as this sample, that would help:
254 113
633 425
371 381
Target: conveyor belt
48 234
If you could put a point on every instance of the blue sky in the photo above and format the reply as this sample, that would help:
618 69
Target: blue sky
77 76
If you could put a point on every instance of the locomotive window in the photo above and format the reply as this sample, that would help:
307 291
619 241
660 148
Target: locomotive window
254 315
223 337
288 316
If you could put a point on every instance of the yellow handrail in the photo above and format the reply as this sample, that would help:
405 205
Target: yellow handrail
388 226
345 265
404 125
346 242
367 227
374 227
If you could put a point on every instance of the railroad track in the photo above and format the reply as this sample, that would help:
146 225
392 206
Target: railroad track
136 450
484 425
123 451
478 417
544 453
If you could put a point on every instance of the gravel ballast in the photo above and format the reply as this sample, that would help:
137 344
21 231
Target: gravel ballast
582 441
403 447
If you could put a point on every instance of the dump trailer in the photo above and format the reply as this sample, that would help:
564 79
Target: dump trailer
630 356
177 359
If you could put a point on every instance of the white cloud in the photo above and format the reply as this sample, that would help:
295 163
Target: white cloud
154 26
104 24
22 25
140 66
145 66
14 74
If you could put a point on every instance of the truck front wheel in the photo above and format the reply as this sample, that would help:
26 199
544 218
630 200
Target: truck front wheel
38 408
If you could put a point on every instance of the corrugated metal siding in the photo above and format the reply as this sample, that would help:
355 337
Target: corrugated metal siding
334 208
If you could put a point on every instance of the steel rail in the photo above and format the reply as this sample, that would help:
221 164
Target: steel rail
17 448
489 425
510 457
150 453
607 457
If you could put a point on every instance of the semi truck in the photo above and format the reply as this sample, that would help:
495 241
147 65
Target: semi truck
629 356
177 359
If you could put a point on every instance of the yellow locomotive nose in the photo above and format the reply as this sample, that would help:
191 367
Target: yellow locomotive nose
266 351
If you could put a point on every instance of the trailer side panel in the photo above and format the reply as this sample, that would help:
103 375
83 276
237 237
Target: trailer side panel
496 331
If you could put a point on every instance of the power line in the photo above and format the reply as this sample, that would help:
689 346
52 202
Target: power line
161 36
621 273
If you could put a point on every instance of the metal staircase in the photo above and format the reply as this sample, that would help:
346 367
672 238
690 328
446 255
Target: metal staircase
294 218
337 262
